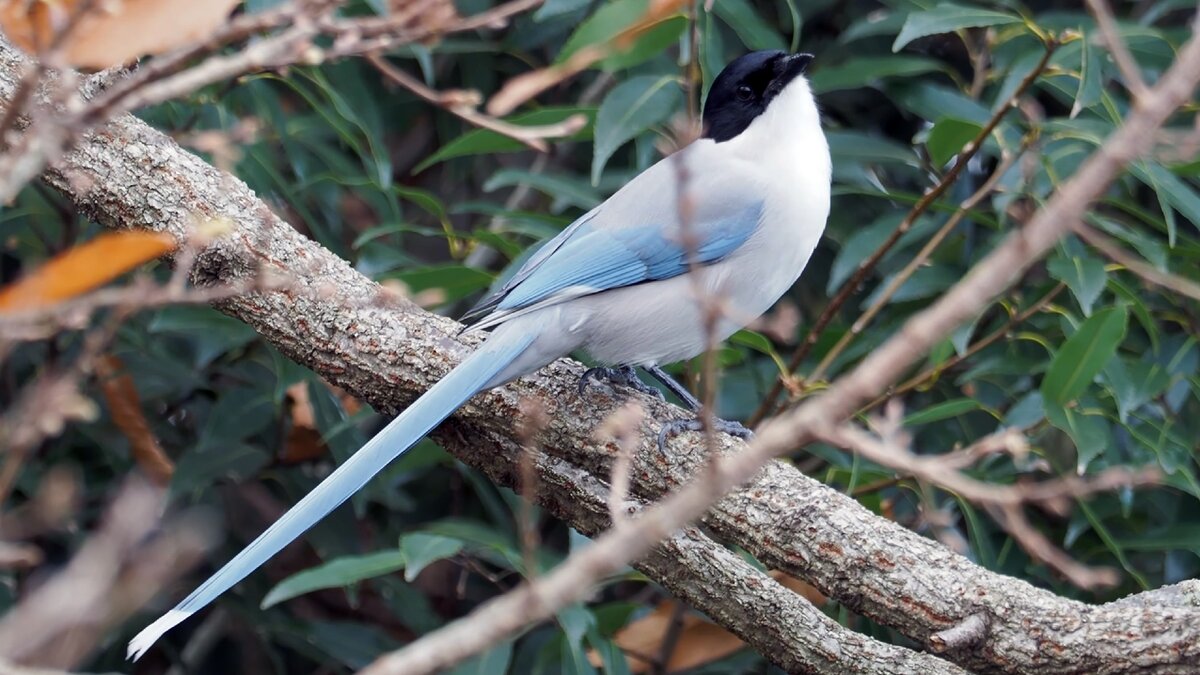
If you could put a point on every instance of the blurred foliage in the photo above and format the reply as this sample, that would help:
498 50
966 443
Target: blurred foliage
1106 373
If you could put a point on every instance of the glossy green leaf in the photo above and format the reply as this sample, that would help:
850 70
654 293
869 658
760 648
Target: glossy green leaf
486 142
455 281
946 18
869 70
630 108
1084 355
420 549
335 574
749 25
1083 274
947 138
942 411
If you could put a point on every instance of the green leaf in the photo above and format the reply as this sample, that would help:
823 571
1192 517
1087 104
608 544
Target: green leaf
943 411
750 27
1083 274
486 142
1089 433
613 19
857 146
454 280
567 190
420 549
1091 78
1084 355
1171 189
335 574
869 70
646 45
947 137
200 467
629 109
1134 383
946 18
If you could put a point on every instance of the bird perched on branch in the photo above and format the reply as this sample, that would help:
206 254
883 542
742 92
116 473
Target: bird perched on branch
733 217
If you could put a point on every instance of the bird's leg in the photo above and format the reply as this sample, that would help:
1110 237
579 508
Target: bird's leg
624 376
675 427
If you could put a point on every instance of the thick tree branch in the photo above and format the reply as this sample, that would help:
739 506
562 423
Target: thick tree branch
386 351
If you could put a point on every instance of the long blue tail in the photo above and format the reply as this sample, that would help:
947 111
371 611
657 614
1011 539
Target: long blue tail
469 378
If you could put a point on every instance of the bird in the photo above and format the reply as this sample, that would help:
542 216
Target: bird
621 282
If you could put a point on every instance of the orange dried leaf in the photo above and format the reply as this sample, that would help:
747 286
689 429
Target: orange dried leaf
698 641
121 395
303 441
112 32
84 267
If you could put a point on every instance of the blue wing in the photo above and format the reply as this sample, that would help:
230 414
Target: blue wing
634 237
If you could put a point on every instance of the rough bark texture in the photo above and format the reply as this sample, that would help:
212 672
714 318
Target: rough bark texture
336 321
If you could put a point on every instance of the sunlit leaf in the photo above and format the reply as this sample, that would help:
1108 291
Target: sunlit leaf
484 141
946 18
1084 355
84 268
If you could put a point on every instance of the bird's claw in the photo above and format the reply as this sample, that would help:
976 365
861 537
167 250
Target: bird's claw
624 376
675 427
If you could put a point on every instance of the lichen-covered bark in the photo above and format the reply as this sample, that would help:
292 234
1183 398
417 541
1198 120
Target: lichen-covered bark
387 352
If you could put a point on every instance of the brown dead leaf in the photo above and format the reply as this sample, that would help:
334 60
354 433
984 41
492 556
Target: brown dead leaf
697 642
121 395
303 442
112 32
83 268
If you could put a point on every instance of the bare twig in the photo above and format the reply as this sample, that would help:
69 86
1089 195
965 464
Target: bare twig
463 104
890 450
623 427
573 579
110 577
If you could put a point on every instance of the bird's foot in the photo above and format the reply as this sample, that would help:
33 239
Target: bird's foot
624 376
676 427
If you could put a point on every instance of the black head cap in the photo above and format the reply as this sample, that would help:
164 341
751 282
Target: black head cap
745 88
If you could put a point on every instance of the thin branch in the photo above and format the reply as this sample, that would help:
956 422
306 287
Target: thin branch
890 449
463 104
865 267
572 580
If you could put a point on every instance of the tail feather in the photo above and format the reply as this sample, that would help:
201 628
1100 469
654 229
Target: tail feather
470 377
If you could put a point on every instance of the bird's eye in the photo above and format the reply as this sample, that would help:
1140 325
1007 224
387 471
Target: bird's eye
745 93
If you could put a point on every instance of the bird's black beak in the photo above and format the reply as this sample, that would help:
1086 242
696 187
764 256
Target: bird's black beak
788 68
792 65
